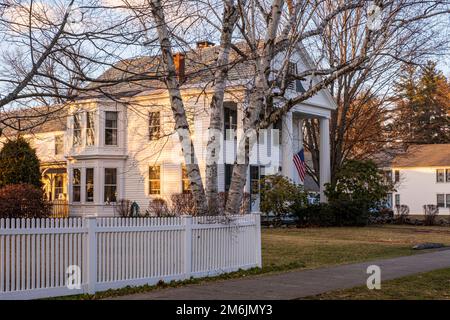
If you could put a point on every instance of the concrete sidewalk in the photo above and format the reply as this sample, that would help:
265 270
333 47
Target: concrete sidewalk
298 284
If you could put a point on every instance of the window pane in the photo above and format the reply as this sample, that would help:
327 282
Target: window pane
111 137
111 119
90 129
254 179
89 184
228 175
154 125
440 175
440 200
447 173
110 194
110 175
397 199
59 144
76 129
76 188
397 175
59 185
154 174
447 200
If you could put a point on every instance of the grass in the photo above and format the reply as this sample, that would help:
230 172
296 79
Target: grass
433 285
292 248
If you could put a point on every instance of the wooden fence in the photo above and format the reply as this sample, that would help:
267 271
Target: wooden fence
38 257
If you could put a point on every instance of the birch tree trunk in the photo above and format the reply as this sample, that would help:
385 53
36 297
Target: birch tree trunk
178 110
215 129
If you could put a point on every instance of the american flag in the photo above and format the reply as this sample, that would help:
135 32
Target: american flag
299 161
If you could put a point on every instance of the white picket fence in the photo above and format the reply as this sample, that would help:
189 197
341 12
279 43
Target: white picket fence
35 254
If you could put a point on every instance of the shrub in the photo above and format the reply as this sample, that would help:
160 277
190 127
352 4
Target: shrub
158 207
279 195
402 216
19 164
182 204
431 211
23 201
314 215
123 208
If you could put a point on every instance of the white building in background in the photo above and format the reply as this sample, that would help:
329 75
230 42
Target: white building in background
422 177
102 150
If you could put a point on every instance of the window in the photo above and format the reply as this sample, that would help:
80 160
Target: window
154 125
389 200
77 129
397 175
447 200
89 184
154 177
397 199
441 200
110 128
440 175
277 137
229 119
292 72
447 175
185 184
76 185
59 186
388 176
59 144
110 185
228 175
254 180
90 129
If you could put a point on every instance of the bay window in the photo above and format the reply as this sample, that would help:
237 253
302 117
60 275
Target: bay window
76 129
76 185
89 184
90 129
110 192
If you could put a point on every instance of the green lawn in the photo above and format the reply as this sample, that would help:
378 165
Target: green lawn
284 249
424 286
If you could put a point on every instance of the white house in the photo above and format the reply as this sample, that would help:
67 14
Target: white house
422 177
102 150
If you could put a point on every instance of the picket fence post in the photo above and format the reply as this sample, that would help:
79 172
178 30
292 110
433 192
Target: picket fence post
258 239
187 222
91 253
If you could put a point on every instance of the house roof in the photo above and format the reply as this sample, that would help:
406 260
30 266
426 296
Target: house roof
424 155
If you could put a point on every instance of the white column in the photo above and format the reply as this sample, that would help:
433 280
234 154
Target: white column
325 172
287 146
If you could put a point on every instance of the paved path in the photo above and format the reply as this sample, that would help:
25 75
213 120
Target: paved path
298 284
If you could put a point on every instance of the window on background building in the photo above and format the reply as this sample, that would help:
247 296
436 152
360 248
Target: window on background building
447 200
154 178
59 186
447 175
397 199
440 201
228 174
389 200
90 129
396 175
229 118
59 144
76 129
440 175
76 185
388 175
111 128
154 125
185 184
110 185
89 184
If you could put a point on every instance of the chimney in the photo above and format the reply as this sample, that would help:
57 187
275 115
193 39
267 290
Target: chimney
178 60
204 44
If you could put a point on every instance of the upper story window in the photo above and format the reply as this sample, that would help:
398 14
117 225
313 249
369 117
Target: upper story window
440 175
278 127
90 129
77 129
154 177
447 175
230 115
292 72
154 125
76 185
396 175
110 190
59 144
111 128
228 176
185 184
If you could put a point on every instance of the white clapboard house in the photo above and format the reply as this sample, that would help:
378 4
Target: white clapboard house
100 150
422 177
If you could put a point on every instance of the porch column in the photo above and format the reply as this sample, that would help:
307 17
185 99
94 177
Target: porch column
287 146
325 172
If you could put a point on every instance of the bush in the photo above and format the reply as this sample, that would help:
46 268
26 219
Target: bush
23 201
431 211
182 204
19 164
158 207
315 215
279 195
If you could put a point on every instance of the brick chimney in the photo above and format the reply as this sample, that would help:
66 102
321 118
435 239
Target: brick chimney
178 59
204 44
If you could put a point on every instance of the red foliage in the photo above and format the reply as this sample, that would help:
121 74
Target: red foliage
23 201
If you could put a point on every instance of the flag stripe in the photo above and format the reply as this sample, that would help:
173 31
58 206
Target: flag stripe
300 165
